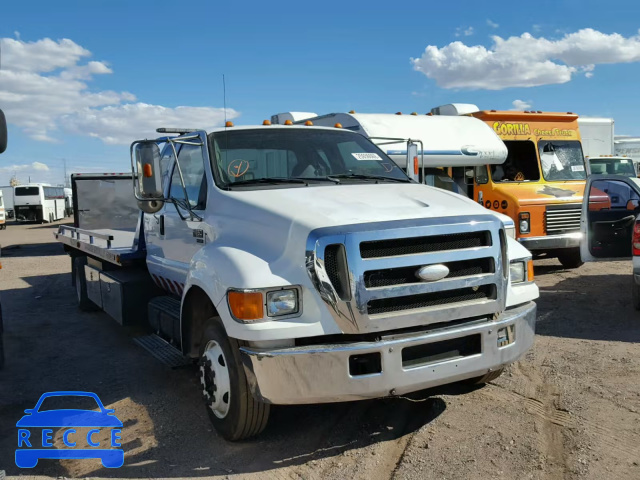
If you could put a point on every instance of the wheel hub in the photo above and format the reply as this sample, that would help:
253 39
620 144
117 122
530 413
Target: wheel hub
214 378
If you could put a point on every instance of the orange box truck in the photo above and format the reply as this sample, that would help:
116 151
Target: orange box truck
541 183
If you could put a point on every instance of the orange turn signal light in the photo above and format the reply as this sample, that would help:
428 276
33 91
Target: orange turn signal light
246 305
415 165
147 170
530 271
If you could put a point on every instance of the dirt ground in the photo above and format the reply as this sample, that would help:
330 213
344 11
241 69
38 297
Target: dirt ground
570 409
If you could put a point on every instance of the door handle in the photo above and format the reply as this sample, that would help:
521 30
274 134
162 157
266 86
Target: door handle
161 224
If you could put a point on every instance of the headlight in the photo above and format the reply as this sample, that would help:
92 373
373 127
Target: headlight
517 272
521 271
282 302
524 222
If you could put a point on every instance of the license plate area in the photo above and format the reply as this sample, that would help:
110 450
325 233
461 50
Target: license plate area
427 353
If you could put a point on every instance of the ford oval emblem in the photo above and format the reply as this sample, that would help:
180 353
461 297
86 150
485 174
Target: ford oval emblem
432 273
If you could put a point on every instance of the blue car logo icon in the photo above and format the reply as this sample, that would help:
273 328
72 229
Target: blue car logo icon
34 444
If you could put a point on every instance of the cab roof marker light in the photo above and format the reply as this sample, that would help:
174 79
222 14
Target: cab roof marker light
228 124
266 122
352 111
288 122
338 125
308 123
414 113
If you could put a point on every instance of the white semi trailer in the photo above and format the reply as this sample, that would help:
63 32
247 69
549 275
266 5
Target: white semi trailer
299 264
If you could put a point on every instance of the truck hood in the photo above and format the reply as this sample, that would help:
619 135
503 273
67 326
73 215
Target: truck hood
349 204
543 193
282 218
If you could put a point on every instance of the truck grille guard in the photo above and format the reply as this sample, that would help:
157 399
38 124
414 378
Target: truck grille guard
366 273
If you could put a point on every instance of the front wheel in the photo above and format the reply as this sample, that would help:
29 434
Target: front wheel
570 258
232 409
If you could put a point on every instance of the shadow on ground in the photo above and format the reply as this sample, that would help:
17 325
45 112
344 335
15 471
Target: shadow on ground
34 250
51 346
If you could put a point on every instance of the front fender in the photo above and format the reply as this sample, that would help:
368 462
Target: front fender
215 269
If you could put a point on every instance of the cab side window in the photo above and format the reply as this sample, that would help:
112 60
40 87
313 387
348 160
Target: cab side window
167 161
192 166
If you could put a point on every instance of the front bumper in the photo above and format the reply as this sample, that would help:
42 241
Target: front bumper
320 373
552 242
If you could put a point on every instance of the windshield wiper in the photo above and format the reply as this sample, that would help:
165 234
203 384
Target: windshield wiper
269 180
319 179
365 177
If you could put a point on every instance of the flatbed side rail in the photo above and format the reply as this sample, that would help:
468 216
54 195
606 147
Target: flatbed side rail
84 241
76 232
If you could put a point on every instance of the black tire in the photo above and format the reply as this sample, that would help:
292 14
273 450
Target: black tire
246 416
635 293
570 258
84 303
486 378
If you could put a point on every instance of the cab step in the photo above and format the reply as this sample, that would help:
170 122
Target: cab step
162 351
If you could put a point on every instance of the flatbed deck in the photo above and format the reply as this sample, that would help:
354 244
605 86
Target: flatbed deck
114 246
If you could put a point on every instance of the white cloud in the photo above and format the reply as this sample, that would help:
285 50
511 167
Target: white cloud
492 24
114 124
525 61
461 31
10 169
521 105
44 88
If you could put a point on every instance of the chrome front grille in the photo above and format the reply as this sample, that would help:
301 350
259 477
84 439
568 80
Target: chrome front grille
562 218
382 260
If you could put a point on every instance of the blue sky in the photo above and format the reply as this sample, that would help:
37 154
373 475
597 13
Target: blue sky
281 56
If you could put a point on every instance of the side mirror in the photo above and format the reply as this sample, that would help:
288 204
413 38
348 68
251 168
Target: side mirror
147 176
3 132
413 167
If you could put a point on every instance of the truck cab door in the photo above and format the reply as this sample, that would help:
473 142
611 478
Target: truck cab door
610 207
176 232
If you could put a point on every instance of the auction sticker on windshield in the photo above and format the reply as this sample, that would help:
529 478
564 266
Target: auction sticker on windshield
366 156
69 432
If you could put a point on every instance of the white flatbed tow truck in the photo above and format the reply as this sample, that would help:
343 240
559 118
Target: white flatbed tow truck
300 264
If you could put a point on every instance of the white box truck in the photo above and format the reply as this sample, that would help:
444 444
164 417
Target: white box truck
299 264
597 136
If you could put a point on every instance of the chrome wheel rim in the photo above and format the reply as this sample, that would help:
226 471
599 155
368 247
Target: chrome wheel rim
214 378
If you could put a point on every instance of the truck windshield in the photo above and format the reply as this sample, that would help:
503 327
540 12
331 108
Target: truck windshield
561 160
297 157
24 191
613 166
